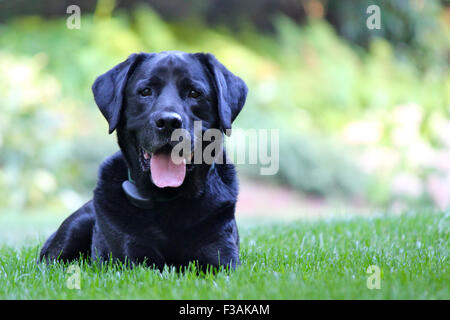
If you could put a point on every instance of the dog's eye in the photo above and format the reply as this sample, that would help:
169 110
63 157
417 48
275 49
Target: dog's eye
146 92
194 94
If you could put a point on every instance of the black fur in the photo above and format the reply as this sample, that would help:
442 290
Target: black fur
194 222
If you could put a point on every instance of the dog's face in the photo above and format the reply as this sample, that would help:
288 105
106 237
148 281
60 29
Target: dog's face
148 96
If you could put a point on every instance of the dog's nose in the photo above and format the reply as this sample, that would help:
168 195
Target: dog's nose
168 121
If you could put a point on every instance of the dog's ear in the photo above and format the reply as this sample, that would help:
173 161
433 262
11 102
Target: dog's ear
231 90
109 89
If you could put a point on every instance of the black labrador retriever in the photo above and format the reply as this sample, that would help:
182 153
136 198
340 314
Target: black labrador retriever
146 208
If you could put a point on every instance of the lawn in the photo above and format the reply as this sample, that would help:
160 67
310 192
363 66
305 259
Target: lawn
324 259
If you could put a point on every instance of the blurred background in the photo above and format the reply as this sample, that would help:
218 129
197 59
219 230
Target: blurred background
363 114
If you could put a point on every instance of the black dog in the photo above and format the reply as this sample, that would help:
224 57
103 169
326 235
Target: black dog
146 208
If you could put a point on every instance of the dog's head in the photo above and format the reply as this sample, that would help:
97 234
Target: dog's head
148 96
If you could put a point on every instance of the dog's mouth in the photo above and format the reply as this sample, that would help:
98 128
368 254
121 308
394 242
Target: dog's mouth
168 169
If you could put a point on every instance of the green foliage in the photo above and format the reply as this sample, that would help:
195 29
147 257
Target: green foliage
42 148
306 81
412 27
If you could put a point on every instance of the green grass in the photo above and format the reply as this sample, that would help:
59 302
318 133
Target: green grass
295 260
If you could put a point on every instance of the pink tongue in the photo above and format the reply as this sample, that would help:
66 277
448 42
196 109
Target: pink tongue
165 173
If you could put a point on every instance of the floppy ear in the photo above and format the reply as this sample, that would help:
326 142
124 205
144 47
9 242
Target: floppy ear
231 90
109 90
